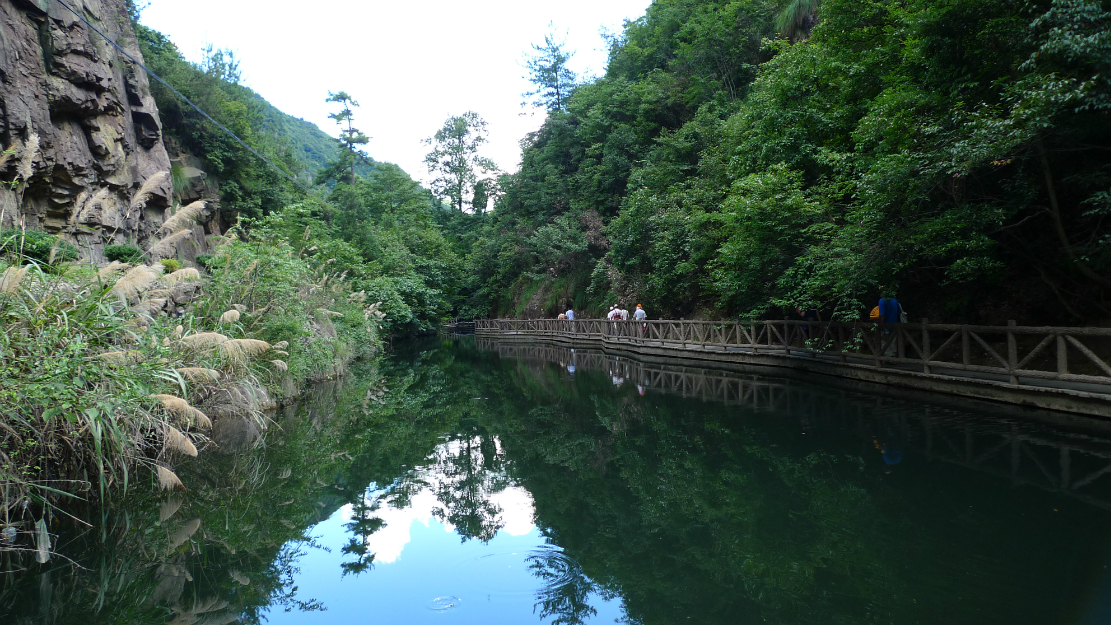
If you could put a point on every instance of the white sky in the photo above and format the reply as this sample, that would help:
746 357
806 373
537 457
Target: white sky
409 63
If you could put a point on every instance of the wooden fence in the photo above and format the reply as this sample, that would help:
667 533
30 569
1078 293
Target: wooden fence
1076 358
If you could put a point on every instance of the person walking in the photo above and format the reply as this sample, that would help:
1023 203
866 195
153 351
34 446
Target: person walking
890 309
640 315
613 317
890 312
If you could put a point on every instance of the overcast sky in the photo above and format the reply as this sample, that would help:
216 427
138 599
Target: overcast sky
409 63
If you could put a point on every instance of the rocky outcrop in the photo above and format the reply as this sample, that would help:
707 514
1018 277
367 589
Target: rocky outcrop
86 157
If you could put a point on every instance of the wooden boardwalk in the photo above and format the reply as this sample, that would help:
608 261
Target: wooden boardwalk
1046 367
1071 463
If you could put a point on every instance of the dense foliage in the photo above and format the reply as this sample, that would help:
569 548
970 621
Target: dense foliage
955 153
378 227
738 158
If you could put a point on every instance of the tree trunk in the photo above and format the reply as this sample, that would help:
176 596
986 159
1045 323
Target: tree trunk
1056 215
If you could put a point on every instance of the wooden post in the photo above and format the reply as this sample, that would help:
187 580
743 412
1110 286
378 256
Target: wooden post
926 346
1063 363
787 337
965 357
1013 353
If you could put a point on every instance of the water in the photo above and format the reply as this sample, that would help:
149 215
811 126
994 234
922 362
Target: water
478 482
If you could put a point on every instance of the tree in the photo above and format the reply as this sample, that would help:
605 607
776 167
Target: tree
350 140
548 70
455 159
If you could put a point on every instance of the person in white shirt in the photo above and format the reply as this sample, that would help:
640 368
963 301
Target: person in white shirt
570 314
641 315
624 314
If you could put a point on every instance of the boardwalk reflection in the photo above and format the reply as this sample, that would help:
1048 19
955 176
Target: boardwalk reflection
994 439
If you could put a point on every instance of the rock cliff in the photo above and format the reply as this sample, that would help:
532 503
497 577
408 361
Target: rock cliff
84 153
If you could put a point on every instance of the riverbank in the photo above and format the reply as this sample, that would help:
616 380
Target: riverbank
110 375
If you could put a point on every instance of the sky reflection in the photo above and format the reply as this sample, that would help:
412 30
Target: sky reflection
427 569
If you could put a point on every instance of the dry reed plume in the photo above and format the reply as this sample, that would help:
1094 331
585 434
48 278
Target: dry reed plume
200 375
147 190
163 248
181 408
184 533
203 340
126 357
239 351
230 316
139 279
167 479
183 219
168 509
27 158
181 276
178 441
112 270
9 282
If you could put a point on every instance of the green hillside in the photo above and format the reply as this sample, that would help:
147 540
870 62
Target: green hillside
311 146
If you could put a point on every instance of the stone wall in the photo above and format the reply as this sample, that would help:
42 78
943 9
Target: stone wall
87 160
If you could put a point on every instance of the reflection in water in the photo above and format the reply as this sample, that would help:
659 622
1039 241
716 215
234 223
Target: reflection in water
531 484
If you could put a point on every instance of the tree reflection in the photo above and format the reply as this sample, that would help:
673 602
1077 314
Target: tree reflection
465 475
363 523
566 588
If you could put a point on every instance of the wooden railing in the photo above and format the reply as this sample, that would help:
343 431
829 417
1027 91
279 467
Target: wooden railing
1017 355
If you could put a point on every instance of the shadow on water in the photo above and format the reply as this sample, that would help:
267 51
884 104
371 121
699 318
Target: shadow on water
678 494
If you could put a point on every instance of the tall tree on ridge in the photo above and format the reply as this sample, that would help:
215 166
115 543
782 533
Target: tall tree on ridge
455 159
350 137
548 70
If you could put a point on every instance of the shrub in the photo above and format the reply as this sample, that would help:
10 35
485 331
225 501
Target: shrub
170 264
37 246
123 253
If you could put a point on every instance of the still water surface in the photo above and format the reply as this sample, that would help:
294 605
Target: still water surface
477 482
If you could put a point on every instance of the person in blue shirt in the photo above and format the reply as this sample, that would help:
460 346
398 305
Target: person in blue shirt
890 309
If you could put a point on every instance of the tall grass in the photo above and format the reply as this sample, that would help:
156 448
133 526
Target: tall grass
267 290
92 392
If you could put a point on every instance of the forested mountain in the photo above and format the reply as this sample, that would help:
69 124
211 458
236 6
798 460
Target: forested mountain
378 232
738 158
953 153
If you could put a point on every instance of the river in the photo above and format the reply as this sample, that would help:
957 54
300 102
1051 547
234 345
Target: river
465 481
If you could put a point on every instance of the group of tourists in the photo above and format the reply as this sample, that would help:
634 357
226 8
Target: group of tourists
887 310
617 313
